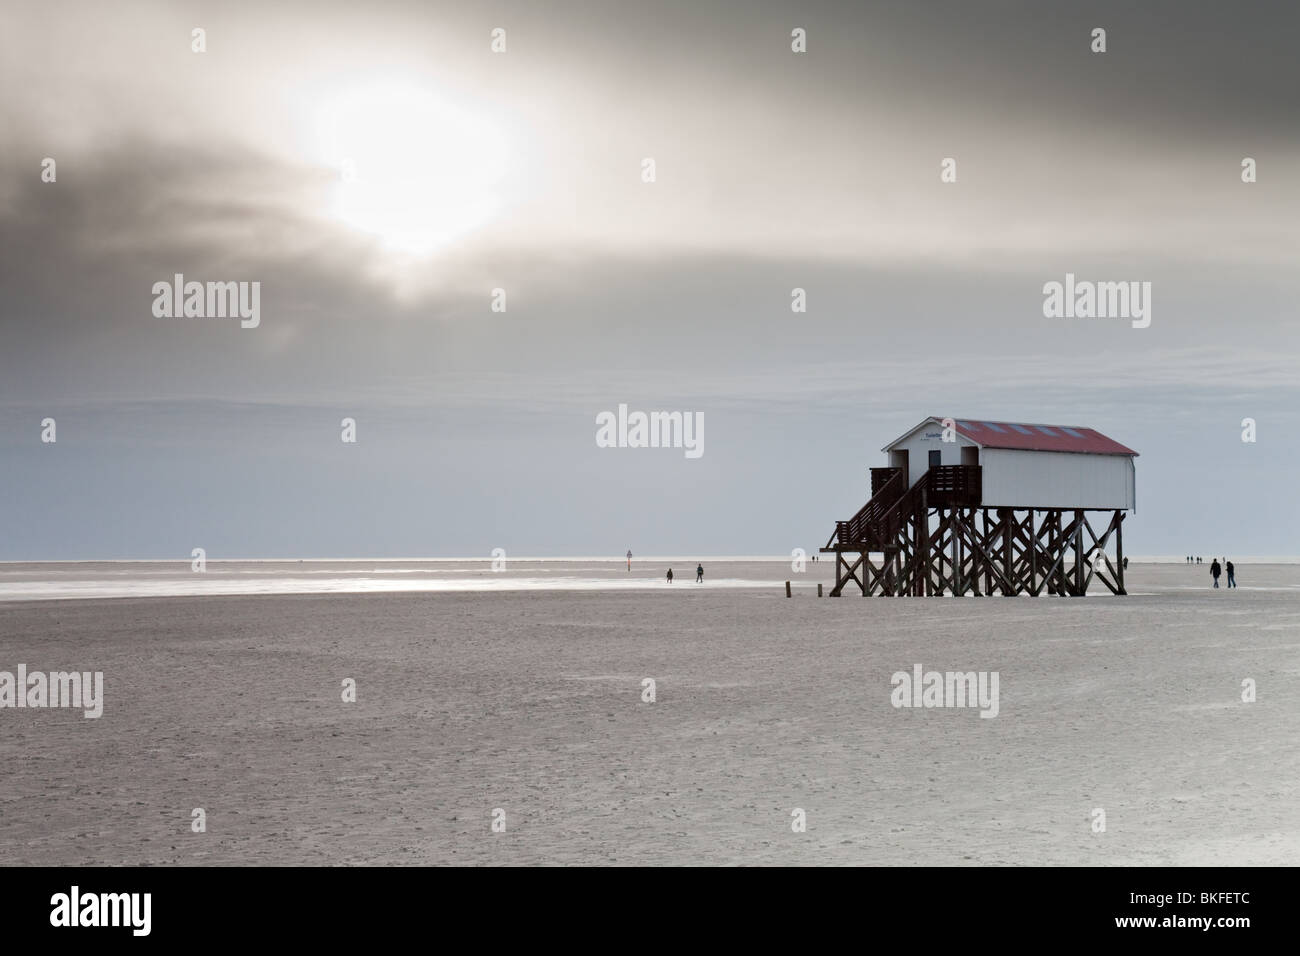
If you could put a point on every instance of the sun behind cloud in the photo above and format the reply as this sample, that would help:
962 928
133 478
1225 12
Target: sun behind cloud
414 171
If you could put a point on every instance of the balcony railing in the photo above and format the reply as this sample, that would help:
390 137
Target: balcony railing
876 523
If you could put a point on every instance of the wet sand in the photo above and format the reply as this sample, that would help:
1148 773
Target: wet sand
531 701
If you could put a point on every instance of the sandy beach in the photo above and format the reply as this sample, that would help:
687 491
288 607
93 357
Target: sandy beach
530 701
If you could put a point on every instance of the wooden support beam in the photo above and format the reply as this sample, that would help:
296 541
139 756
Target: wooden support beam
947 549
1033 556
844 573
1119 549
1004 526
1078 553
960 579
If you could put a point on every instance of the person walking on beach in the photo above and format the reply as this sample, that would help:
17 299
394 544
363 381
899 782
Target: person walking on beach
629 559
1215 571
699 574
1232 575
670 575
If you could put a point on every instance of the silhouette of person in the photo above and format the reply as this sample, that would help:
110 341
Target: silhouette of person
699 574
1232 575
670 575
1215 571
629 559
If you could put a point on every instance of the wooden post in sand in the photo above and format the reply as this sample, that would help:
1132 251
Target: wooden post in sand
787 588
819 589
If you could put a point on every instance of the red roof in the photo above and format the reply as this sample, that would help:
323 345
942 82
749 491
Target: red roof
1070 438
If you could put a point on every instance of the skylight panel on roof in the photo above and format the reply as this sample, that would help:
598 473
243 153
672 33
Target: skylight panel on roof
971 425
992 427
1072 433
1046 431
1022 429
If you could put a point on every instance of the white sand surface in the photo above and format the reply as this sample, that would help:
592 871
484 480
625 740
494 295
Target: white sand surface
530 701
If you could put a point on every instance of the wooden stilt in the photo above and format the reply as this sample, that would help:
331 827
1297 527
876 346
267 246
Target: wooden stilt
1119 550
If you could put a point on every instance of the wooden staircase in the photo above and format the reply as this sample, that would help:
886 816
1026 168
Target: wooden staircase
887 487
877 523
894 521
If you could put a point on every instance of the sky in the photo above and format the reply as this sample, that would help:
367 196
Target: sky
380 171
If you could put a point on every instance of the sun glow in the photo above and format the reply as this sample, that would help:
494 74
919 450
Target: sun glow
414 171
